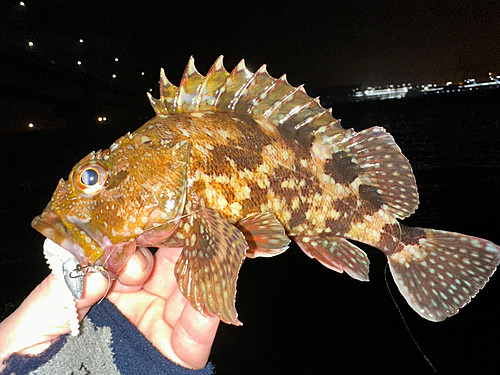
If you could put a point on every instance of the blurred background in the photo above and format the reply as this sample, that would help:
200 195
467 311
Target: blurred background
73 78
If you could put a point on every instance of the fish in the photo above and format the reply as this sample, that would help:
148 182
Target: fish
236 165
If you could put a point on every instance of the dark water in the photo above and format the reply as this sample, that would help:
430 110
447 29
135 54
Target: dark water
299 317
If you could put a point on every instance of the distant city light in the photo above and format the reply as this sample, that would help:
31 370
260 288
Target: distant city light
30 44
398 92
383 93
31 125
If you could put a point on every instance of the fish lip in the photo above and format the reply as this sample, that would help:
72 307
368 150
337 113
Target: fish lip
113 258
51 226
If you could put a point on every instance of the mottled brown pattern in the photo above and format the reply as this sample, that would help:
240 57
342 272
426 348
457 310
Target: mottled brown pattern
372 201
252 137
387 235
340 225
312 185
257 192
298 216
410 236
300 150
349 206
281 174
304 137
392 229
222 154
341 168
251 206
198 186
229 192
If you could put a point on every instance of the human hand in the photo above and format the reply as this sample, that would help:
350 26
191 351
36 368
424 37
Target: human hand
146 293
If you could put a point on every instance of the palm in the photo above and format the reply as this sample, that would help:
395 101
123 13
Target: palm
157 308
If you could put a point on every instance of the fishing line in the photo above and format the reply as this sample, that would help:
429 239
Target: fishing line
82 271
406 325
103 271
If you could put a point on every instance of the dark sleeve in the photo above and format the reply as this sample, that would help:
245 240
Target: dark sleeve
24 364
133 353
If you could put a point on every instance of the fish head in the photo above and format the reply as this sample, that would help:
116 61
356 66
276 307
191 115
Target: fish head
115 200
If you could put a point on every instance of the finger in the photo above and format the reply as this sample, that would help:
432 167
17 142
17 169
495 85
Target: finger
96 286
162 281
193 337
174 307
136 272
169 253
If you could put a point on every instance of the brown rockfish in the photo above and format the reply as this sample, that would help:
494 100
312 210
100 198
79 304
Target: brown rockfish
233 166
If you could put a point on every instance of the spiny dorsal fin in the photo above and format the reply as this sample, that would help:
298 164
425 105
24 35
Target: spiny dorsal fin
268 100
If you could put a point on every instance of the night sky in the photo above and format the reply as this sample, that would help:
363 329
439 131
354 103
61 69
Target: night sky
319 43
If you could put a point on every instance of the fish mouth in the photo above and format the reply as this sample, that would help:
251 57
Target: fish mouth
90 248
51 226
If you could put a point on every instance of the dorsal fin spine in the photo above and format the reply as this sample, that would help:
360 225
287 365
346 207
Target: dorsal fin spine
250 91
293 112
211 85
309 110
260 99
168 95
273 114
241 90
188 97
231 86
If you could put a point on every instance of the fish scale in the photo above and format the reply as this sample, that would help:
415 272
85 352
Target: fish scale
235 165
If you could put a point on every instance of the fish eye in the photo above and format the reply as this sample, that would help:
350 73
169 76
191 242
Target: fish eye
90 178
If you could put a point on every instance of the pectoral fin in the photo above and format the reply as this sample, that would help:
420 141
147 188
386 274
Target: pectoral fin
264 234
337 254
208 266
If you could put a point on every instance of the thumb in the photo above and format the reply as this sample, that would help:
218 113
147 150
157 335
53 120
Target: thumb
48 311
95 289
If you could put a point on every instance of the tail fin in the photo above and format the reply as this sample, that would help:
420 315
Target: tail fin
439 272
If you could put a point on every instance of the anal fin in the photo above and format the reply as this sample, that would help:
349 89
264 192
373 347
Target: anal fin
265 235
338 254
208 266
